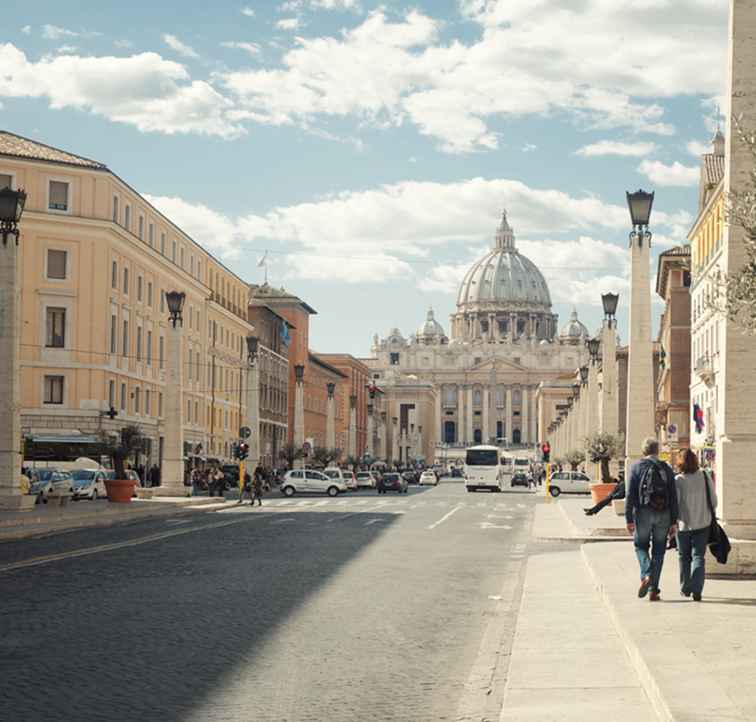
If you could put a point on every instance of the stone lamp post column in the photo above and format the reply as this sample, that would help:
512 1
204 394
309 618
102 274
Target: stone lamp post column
370 446
352 451
11 499
253 401
299 427
172 473
609 403
640 371
331 417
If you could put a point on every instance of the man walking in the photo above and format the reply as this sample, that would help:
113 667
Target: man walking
246 488
651 515
258 486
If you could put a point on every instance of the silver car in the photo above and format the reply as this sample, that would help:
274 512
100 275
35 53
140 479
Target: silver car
88 484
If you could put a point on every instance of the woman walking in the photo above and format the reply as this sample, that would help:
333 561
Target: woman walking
695 518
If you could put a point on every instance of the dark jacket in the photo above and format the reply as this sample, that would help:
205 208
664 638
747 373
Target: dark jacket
632 500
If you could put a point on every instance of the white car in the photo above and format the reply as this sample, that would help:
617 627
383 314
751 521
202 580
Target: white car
309 481
366 480
569 482
342 475
88 484
428 478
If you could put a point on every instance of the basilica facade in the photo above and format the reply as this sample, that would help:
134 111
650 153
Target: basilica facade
479 382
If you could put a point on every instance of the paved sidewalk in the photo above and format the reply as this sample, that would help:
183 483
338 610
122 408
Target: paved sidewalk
564 519
46 519
697 661
568 664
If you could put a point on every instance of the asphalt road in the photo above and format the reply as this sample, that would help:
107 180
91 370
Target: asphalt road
364 607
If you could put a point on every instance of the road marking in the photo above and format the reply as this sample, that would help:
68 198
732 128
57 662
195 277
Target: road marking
177 521
488 525
116 545
281 521
445 517
375 521
321 503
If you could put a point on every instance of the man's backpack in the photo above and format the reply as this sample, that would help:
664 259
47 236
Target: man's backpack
654 487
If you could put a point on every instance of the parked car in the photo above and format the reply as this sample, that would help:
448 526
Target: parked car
88 484
392 482
428 478
411 477
366 480
569 482
519 478
344 475
456 473
231 475
309 481
41 484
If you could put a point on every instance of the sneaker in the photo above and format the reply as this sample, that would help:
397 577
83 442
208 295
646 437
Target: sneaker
655 596
696 597
643 588
588 512
684 594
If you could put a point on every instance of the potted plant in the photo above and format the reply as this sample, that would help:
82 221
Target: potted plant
121 489
601 449
574 458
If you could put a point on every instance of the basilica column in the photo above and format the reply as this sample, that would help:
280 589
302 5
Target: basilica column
439 422
491 324
525 416
508 416
470 414
512 326
533 419
460 414
484 415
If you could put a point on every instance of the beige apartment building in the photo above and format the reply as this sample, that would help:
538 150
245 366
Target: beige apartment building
96 260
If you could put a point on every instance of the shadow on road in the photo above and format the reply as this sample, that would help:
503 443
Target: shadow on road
147 632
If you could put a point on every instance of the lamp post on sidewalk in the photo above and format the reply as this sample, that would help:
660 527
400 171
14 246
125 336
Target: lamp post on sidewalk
11 497
253 400
609 398
172 473
331 416
640 372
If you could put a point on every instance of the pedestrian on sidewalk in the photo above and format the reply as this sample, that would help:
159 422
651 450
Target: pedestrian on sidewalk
246 488
694 519
218 482
618 493
651 515
258 485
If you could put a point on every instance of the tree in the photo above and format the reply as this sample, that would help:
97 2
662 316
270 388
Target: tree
735 294
323 456
131 442
574 458
290 453
601 448
353 462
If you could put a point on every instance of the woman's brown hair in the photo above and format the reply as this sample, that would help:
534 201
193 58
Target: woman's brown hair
689 463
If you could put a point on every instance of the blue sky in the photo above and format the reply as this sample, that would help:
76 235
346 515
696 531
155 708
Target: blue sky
371 147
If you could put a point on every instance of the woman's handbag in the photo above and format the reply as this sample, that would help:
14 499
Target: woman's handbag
719 544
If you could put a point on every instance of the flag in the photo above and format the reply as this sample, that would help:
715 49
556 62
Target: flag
263 261
285 337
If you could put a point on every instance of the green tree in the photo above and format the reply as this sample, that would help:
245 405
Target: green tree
290 453
323 456
130 443
574 458
601 448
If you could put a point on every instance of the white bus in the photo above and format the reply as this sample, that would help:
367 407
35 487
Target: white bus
482 469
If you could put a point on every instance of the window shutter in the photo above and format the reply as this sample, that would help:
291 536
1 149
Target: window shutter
59 195
56 264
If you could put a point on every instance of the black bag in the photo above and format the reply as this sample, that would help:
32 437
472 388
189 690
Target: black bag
654 487
719 544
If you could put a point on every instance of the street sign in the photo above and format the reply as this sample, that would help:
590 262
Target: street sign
245 432
672 433
306 448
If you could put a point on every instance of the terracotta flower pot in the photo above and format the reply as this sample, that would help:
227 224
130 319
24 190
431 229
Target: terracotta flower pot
119 490
600 491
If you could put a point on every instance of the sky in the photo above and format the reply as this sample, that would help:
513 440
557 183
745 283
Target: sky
370 148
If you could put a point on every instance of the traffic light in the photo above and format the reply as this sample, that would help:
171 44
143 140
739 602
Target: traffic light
242 450
546 451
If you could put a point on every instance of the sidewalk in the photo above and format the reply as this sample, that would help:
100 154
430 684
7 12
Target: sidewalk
45 519
568 664
564 519
697 661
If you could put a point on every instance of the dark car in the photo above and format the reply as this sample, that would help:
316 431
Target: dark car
410 477
520 478
392 482
456 473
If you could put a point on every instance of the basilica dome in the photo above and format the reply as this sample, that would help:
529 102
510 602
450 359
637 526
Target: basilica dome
431 328
504 279
574 330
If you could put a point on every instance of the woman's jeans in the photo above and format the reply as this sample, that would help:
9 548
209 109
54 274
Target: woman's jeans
651 529
691 545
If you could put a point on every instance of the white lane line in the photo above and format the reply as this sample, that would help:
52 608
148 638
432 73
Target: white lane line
117 545
174 522
281 521
375 521
488 525
321 503
445 516
342 502
304 502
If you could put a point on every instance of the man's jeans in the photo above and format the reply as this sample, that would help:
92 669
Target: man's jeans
651 528
692 548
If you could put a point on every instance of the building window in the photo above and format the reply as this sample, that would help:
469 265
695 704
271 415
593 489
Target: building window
147 403
161 349
6 181
173 251
56 264
111 393
137 400
113 340
394 360
139 288
191 265
140 226
181 256
126 281
56 328
127 218
114 275
149 348
162 243
189 365
139 343
149 293
160 403
58 196
53 389
125 349
151 235
123 397
115 212
162 301
199 270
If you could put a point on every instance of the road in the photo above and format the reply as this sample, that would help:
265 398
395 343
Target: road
364 607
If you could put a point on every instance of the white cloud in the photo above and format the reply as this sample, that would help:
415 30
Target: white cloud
251 48
53 32
123 44
676 174
144 90
529 147
696 148
288 24
26 30
67 49
248 11
294 5
366 269
181 48
613 147
385 73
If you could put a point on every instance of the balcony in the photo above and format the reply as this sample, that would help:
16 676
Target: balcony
704 369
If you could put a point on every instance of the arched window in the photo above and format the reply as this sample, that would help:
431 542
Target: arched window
478 436
516 438
477 397
516 396
450 396
450 432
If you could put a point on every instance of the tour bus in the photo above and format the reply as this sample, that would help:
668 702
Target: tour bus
482 469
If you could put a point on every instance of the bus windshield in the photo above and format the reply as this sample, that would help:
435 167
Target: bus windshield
482 457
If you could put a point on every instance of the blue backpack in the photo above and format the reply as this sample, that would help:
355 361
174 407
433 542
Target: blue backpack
653 491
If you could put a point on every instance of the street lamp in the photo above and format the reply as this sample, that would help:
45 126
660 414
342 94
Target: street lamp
640 204
575 390
175 301
583 375
11 208
609 301
253 344
331 387
594 344
299 373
